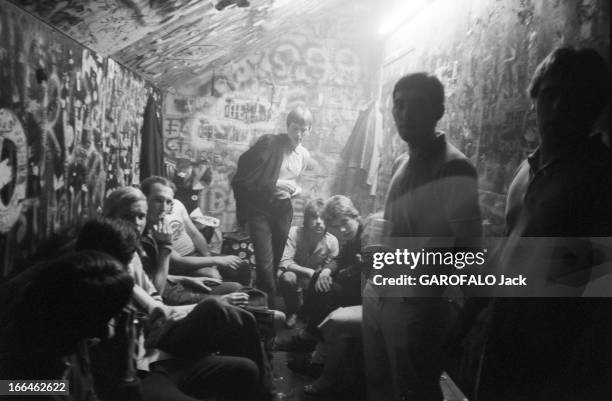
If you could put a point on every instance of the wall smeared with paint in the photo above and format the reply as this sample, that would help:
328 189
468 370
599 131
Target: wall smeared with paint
484 52
64 141
209 122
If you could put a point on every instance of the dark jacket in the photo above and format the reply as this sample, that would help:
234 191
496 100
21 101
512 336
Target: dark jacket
258 169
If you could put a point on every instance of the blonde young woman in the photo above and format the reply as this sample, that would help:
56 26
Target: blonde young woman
130 204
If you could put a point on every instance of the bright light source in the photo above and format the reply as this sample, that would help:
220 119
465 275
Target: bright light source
406 11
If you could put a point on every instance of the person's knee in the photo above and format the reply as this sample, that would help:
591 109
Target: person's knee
214 305
247 318
211 272
214 273
336 317
210 306
231 286
237 317
244 373
288 280
224 315
341 323
331 328
279 320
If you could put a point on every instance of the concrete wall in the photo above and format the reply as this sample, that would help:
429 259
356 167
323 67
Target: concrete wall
209 122
485 52
64 142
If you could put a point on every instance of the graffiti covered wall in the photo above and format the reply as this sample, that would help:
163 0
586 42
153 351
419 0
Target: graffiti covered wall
484 52
69 132
208 124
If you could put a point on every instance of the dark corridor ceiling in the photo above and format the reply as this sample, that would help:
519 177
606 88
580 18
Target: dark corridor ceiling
171 41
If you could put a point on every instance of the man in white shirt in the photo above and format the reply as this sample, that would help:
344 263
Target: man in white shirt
190 255
264 183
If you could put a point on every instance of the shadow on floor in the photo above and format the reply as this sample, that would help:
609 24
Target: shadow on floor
352 383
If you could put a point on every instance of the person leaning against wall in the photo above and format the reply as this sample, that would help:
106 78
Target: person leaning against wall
557 348
264 183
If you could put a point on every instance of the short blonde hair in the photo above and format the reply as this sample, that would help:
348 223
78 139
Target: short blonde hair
299 115
120 200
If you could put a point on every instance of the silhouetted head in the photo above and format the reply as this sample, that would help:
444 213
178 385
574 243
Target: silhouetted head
418 104
70 299
569 89
116 237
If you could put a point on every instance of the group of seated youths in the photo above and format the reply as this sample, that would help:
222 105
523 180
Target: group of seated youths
122 314
320 274
136 308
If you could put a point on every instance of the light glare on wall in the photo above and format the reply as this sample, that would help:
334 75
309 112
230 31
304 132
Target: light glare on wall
407 10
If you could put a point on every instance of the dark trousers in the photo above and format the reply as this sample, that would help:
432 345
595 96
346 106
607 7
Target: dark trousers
269 227
290 286
187 379
403 347
548 349
241 275
177 294
345 291
214 326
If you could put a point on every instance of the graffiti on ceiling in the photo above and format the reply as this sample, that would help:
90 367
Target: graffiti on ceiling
175 41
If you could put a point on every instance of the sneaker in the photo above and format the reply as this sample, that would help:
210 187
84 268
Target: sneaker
295 344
